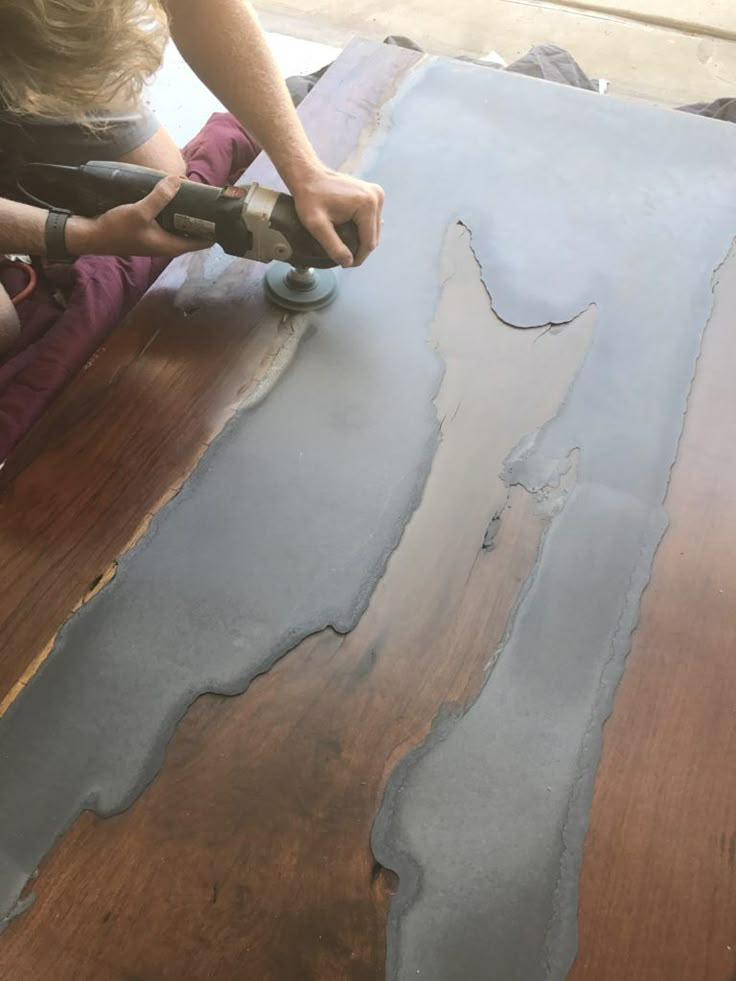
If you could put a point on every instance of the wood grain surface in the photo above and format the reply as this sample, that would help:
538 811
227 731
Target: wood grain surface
658 882
249 855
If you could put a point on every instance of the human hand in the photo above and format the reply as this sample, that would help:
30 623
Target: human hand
131 229
325 198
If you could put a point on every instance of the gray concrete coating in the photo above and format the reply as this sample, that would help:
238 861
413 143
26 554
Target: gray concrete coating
572 199
284 529
288 522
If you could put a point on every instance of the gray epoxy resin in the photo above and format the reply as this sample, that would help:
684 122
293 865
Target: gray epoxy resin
572 199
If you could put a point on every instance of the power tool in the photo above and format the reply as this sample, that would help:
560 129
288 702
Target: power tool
246 220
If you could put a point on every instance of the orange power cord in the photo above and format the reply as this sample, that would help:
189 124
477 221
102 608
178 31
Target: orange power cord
30 285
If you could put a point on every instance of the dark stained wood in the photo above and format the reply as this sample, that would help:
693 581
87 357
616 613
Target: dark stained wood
658 883
80 488
249 854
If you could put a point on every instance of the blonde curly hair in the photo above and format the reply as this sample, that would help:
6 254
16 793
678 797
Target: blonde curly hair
69 58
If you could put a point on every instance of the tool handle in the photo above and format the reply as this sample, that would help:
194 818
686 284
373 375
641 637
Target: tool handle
196 211
94 188
192 211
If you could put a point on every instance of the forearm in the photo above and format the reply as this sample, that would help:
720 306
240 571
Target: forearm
224 44
129 229
21 228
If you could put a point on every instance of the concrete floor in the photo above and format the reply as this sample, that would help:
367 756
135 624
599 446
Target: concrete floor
673 66
689 55
715 17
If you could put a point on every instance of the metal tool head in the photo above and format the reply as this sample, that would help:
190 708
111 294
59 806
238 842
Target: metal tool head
299 289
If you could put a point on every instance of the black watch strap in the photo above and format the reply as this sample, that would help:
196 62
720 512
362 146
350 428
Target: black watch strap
55 236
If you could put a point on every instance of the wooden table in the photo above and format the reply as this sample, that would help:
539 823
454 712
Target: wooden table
249 855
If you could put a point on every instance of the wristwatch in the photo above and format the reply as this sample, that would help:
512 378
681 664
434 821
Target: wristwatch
55 238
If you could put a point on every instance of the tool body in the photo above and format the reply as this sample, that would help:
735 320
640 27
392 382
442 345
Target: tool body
251 221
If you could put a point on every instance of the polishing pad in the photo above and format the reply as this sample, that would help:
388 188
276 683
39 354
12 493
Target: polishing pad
299 289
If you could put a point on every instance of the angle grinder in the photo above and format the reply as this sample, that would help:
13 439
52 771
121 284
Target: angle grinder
247 220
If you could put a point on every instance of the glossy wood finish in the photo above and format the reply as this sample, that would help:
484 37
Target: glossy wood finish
249 855
658 884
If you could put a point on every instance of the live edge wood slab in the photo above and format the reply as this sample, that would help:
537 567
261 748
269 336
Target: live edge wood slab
249 855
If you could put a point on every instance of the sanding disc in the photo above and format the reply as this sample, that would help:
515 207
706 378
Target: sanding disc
299 289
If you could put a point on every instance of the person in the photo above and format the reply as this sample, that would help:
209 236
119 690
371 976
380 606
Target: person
71 78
